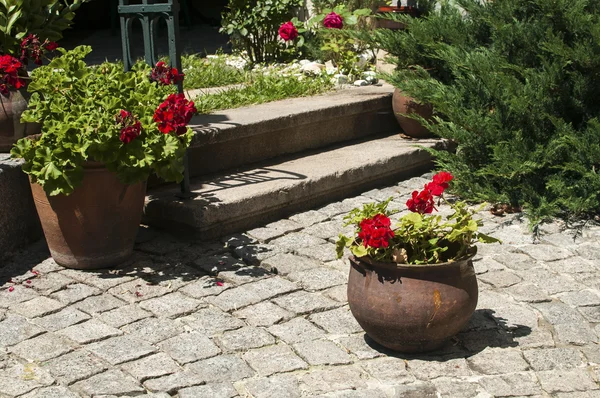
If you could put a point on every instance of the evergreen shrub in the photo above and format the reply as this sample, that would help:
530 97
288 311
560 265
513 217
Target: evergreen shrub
515 83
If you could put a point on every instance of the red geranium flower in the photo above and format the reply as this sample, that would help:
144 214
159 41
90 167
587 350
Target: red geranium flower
288 31
333 21
421 202
376 232
130 127
443 178
174 114
51 46
165 74
9 74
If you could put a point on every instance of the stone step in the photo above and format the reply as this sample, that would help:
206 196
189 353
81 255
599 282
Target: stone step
232 138
249 197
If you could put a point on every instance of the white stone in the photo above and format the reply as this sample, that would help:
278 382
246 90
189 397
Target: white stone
360 83
312 69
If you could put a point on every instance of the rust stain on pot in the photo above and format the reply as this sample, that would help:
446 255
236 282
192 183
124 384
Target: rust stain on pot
437 304
398 299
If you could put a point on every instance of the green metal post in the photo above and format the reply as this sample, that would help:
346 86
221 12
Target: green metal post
149 13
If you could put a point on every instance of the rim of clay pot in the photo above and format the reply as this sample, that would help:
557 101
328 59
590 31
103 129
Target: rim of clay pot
396 9
366 262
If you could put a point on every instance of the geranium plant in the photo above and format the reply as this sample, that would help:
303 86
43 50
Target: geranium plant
419 237
132 122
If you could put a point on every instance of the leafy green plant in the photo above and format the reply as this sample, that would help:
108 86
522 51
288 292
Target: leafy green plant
46 19
103 114
253 26
514 83
419 237
320 5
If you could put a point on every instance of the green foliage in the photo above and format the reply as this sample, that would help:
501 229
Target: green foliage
263 88
320 5
77 105
418 239
45 18
209 72
515 84
254 24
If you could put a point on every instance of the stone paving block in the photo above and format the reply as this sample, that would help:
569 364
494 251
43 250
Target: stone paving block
121 349
212 321
449 387
588 250
322 352
325 252
236 298
138 290
303 302
89 332
500 279
575 334
272 287
98 304
75 292
512 384
322 381
38 306
274 359
124 315
337 293
591 353
43 347
22 378
318 278
493 361
263 314
537 338
286 263
544 252
388 370
154 330
588 279
559 313
204 286
515 261
553 358
103 280
296 240
171 305
47 266
437 367
592 314
257 253
14 329
573 265
358 346
18 295
581 298
245 338
554 381
237 240
189 347
416 390
338 321
112 382
215 390
308 218
174 382
551 282
329 230
222 368
296 330
243 275
75 366
367 393
581 394
217 263
52 392
153 366
528 292
50 283
280 386
274 230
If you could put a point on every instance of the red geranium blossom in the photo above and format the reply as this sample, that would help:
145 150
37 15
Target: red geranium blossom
165 74
130 127
288 31
333 21
9 74
51 46
443 178
421 202
376 231
174 114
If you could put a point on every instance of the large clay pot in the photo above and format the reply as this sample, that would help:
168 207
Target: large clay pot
405 105
412 308
95 226
11 128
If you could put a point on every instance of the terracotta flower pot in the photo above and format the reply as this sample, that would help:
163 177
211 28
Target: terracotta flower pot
95 226
412 308
11 128
387 24
403 104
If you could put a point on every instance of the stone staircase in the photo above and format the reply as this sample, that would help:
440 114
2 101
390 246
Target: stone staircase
254 165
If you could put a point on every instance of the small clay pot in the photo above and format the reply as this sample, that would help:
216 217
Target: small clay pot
412 308
95 226
405 105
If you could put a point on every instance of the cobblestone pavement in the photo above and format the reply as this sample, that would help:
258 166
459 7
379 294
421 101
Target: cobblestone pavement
264 314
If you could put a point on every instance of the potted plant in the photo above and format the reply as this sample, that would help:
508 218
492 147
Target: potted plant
412 286
28 29
104 131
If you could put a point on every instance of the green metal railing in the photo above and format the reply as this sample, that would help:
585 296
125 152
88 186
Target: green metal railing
150 13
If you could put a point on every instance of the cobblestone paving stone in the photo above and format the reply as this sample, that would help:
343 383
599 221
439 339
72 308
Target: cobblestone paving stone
264 314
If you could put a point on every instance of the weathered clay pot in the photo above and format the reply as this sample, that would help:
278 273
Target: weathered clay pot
403 104
387 24
95 226
412 308
11 128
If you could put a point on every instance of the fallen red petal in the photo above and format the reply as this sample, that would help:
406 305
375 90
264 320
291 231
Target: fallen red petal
10 289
